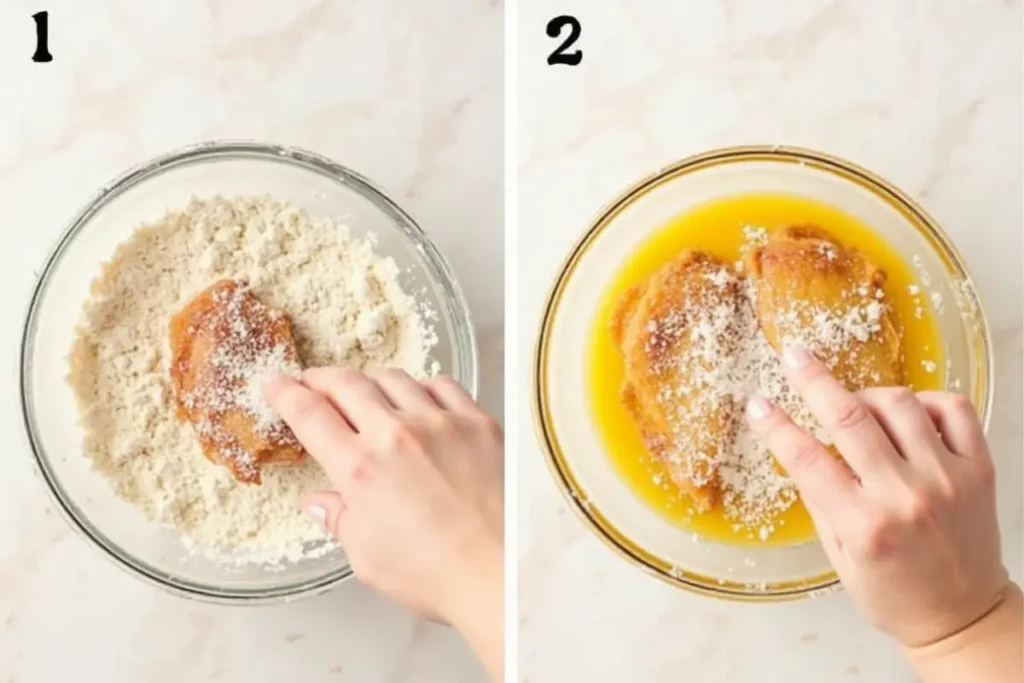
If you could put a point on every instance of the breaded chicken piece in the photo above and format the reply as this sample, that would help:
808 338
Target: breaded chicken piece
673 331
813 289
222 343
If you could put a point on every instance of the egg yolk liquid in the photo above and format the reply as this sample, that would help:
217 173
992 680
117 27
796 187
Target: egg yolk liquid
717 228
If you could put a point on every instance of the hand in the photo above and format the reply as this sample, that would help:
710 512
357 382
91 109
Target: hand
418 495
909 520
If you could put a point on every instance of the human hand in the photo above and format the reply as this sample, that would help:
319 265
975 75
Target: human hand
417 470
909 521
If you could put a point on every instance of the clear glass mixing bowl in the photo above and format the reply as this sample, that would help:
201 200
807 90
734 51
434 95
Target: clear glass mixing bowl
143 194
564 424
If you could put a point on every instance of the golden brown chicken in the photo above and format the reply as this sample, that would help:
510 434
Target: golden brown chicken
675 331
812 289
222 344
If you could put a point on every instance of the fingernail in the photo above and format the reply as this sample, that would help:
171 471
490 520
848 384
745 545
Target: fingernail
796 356
758 408
318 514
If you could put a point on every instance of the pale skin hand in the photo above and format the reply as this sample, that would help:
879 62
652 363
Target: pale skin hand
418 498
909 522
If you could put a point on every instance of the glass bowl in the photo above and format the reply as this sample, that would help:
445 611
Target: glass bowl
564 423
144 193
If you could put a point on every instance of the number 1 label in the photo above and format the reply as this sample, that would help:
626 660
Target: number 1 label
42 53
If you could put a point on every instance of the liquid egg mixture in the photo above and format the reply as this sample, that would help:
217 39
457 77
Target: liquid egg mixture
690 328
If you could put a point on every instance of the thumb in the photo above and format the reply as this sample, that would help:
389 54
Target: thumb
326 508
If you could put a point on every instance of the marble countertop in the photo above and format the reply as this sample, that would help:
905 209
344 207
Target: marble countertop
383 87
927 94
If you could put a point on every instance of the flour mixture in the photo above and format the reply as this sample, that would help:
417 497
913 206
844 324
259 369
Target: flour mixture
347 307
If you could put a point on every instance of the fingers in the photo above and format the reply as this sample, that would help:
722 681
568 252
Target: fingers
825 483
858 436
957 421
352 393
448 393
904 418
403 391
326 509
317 425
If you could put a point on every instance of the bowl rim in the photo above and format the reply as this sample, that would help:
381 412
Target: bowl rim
465 344
554 453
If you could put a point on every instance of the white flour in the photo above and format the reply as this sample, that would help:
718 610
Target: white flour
347 307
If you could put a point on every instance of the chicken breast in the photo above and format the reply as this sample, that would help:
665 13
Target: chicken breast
223 343
812 289
674 332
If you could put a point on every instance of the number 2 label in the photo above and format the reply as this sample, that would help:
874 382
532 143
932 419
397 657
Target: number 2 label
554 30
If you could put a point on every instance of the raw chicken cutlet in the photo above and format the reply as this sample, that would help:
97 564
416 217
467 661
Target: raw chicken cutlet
812 289
672 331
697 340
223 343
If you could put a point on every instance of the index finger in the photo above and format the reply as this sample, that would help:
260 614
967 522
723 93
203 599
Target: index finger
863 443
321 429
825 484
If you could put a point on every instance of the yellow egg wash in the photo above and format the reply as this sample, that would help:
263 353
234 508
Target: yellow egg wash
717 228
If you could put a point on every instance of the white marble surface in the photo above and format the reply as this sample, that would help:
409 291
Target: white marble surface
406 93
926 93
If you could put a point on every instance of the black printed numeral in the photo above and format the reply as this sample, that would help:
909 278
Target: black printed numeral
42 53
560 56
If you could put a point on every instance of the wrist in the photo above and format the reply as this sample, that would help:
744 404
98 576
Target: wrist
990 648
477 611
478 586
